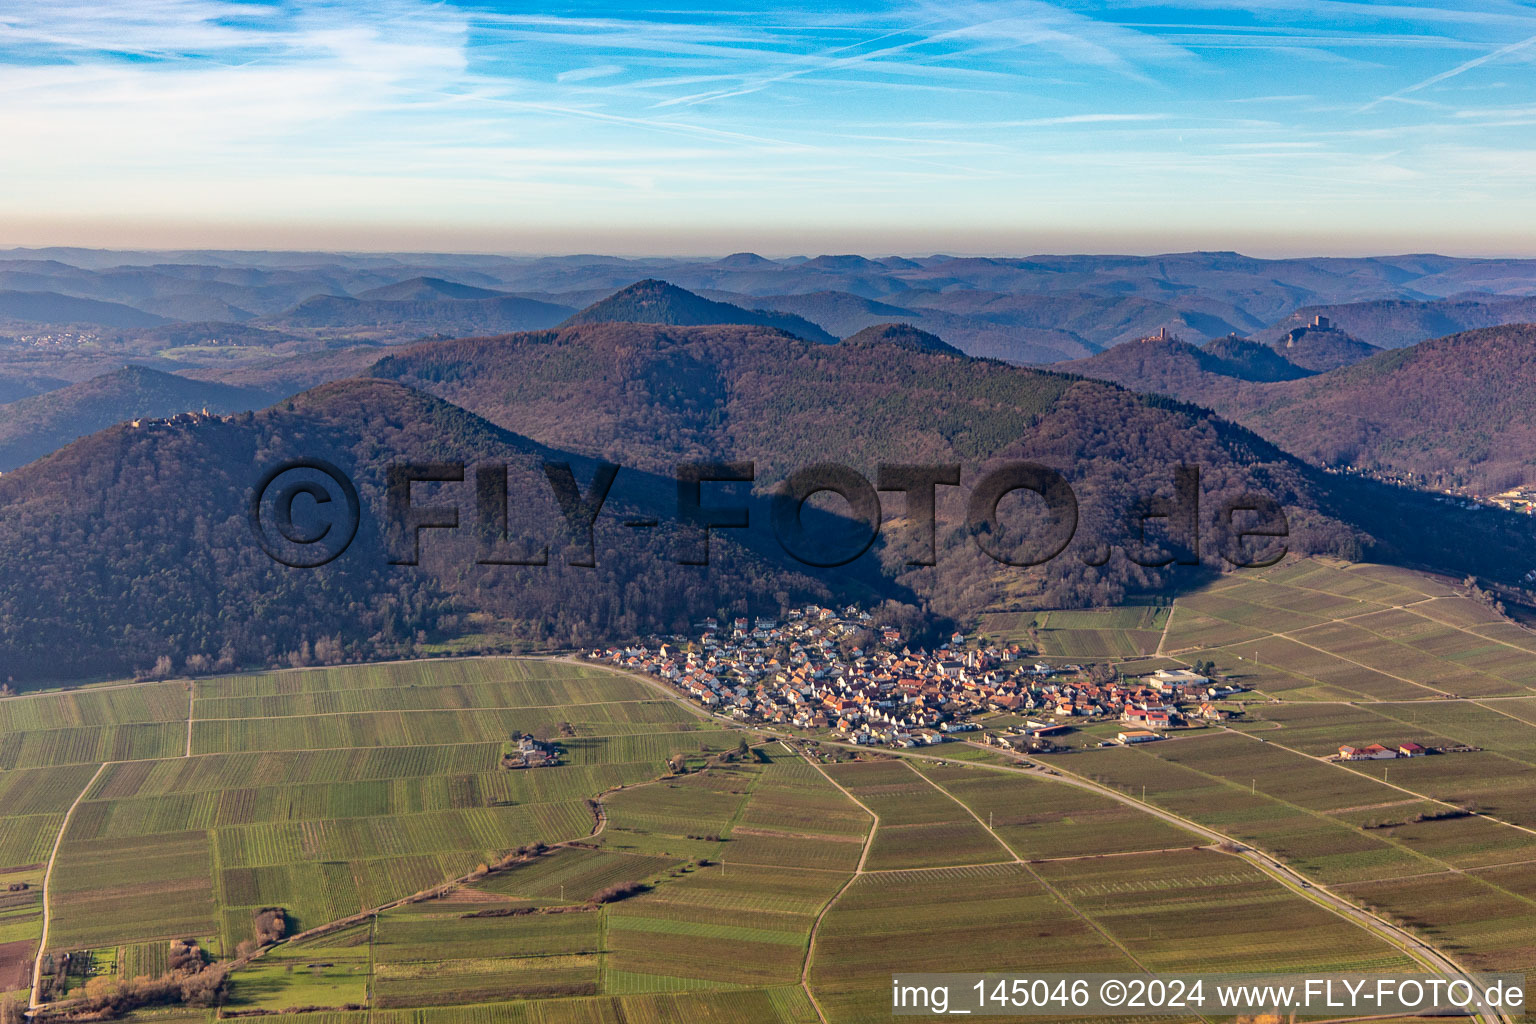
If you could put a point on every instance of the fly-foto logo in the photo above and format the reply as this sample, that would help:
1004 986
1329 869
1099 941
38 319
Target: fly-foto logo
305 513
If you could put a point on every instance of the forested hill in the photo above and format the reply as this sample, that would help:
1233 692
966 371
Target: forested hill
36 425
657 302
652 396
135 543
1455 411
1321 349
1206 376
900 335
426 314
1397 323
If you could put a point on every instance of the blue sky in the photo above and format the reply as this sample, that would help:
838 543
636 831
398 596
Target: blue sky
990 126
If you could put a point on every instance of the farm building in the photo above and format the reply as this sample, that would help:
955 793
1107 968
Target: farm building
1374 752
1178 677
1137 736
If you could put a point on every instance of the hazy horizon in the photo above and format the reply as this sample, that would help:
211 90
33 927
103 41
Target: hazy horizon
640 255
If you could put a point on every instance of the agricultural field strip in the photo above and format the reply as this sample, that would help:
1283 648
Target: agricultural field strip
1326 593
1045 860
1361 664
1334 654
1056 893
73 696
306 750
1321 650
598 828
58 841
660 917
191 723
530 668
600 825
1447 730
1411 944
432 710
101 768
145 702
869 838
402 746
1162 640
1482 702
373 912
1345 766
204 815
1378 608
1447 868
1391 879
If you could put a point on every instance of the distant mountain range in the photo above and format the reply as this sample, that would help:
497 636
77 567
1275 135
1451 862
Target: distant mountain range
1248 360
264 358
900 336
651 396
290 375
22 385
1027 310
427 289
373 358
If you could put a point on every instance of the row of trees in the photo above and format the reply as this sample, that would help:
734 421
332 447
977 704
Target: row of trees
190 980
109 998
327 650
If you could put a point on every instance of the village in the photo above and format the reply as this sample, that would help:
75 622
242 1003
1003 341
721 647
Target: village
860 682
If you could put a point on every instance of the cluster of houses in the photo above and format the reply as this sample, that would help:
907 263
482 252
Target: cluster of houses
839 671
1150 705
54 339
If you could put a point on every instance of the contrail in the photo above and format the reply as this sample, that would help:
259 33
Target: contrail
1453 72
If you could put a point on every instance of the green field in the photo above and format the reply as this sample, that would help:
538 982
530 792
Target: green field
739 864
1090 634
1347 654
768 887
1314 630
